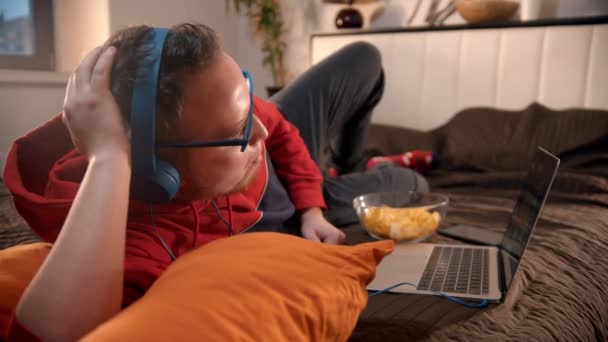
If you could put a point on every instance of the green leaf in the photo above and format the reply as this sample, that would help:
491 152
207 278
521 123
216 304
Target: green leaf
266 19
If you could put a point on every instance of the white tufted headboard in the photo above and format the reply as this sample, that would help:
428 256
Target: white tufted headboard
432 74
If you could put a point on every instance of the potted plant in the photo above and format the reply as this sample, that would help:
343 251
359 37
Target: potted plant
267 21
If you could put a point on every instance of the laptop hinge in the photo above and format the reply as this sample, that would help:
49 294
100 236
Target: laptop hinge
502 279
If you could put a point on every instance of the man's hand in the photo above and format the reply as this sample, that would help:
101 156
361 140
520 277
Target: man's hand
90 111
316 228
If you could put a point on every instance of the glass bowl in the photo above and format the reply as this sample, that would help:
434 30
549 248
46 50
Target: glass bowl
401 216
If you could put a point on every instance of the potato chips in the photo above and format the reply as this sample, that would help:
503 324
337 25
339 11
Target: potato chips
401 223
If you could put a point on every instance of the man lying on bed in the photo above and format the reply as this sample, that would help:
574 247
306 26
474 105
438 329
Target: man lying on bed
79 198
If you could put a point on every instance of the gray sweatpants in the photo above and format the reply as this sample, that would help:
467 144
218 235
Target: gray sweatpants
331 104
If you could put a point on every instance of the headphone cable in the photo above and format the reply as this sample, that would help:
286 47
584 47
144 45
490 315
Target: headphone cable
219 214
160 237
483 304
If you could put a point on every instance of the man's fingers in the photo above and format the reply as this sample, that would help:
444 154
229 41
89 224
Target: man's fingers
100 79
84 69
310 235
70 90
334 238
64 119
342 238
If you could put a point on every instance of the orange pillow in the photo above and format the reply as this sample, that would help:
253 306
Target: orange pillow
18 265
253 287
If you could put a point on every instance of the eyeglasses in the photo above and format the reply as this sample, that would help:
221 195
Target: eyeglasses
243 141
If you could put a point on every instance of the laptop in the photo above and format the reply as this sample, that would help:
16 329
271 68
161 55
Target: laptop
468 271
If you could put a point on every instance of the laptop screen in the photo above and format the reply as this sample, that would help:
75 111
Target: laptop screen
533 193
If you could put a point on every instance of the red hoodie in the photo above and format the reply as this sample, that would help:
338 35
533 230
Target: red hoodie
43 172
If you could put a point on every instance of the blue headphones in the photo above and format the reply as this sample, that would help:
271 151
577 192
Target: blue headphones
153 180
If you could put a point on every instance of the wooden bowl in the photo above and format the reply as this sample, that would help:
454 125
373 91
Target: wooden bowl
486 11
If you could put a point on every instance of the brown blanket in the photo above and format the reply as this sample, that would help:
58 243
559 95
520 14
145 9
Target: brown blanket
485 139
13 229
561 292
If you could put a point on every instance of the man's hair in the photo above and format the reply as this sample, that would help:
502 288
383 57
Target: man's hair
189 48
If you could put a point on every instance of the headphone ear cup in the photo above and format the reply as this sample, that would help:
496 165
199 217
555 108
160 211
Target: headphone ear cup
161 188
167 180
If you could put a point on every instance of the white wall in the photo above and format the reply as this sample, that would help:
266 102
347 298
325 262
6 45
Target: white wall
27 99
97 20
233 28
576 8
80 26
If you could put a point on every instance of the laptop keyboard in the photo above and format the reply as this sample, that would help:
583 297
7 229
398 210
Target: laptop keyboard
457 269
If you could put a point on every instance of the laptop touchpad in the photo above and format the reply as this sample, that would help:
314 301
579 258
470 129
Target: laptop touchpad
405 265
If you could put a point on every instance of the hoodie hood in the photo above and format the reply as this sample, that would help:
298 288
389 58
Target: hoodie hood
43 172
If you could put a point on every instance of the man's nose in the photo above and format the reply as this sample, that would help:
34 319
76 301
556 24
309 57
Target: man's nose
258 132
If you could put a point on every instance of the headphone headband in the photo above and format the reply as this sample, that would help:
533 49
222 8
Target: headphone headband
153 180
143 105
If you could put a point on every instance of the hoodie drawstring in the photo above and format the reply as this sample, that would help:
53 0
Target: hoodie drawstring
158 235
196 224
229 212
197 220
221 217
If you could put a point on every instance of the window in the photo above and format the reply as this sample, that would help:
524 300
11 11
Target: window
26 34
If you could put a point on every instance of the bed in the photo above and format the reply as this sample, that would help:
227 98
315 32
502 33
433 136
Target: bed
482 98
561 292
